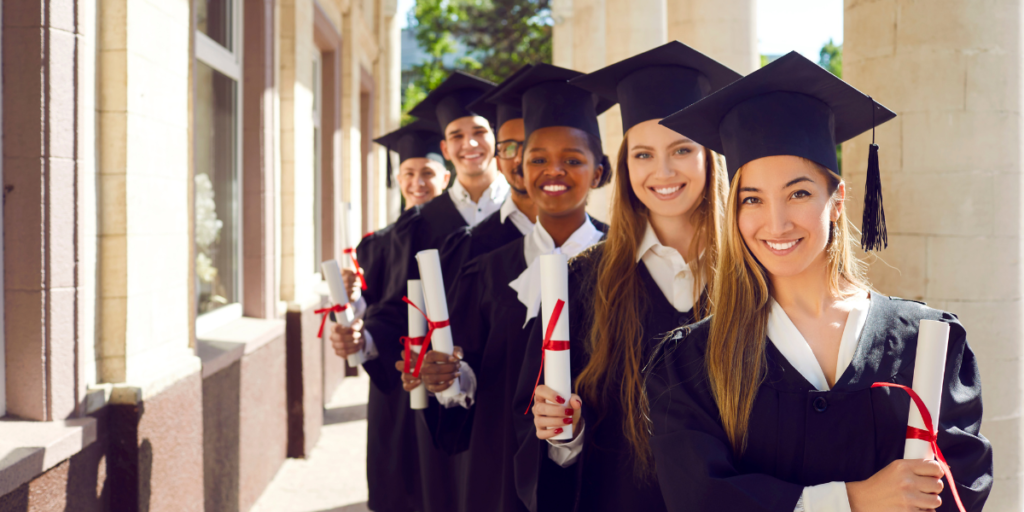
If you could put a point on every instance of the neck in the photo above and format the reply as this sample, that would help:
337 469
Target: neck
563 226
478 184
676 232
525 205
807 292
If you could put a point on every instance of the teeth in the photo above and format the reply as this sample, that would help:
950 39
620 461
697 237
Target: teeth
667 190
554 187
781 247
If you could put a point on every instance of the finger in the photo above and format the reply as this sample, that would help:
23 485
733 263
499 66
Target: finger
433 369
552 410
926 468
926 501
544 434
434 357
400 366
544 421
457 353
438 378
437 388
575 402
928 485
546 393
358 325
411 385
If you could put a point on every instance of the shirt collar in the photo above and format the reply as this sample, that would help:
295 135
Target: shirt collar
649 240
496 192
508 208
651 243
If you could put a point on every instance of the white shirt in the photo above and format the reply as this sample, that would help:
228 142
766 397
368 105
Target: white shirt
519 219
830 497
490 201
670 272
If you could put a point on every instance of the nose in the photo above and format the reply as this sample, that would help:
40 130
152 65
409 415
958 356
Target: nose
473 142
665 169
778 219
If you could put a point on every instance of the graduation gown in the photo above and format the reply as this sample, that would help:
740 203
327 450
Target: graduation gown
603 472
467 243
402 455
800 436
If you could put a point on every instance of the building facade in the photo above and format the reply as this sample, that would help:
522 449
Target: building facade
173 172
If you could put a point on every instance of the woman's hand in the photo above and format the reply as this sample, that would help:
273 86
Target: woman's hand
903 485
349 278
551 413
438 372
347 340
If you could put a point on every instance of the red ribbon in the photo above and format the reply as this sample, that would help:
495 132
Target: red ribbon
424 342
929 436
368 234
355 264
549 344
337 308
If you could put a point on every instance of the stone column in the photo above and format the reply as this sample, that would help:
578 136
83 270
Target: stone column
722 29
951 168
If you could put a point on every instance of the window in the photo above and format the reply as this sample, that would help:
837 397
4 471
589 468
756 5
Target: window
318 181
217 196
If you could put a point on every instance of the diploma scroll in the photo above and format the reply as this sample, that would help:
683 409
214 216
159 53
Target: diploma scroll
417 330
332 273
437 309
929 371
554 282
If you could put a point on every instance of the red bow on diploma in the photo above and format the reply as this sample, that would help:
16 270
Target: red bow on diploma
355 264
929 436
337 308
423 343
549 344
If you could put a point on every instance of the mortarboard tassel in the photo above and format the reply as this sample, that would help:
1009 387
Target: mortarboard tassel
873 235
387 156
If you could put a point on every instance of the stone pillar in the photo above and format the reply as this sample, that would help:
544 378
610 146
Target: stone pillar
951 167
724 30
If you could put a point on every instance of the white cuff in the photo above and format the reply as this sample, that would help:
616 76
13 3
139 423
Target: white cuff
565 453
467 381
830 497
359 306
358 295
370 349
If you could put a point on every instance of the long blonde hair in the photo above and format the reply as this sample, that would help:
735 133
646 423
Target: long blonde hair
615 342
736 342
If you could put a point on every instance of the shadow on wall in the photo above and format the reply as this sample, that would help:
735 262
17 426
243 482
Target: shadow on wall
222 395
355 507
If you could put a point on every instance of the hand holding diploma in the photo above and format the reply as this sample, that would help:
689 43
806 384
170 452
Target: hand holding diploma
438 373
343 311
551 413
437 315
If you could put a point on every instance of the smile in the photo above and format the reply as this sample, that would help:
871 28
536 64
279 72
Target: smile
554 188
667 192
782 248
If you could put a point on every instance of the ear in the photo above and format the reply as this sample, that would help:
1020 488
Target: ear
838 201
598 174
446 178
444 150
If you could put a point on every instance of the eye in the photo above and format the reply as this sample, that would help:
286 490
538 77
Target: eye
428 174
643 155
682 151
573 162
800 194
538 161
750 200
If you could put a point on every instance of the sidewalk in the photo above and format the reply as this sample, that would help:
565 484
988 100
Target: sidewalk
333 478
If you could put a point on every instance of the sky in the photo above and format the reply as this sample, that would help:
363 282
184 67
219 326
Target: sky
782 25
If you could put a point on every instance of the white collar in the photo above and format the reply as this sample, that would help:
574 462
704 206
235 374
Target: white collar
509 209
793 346
496 191
651 242
538 243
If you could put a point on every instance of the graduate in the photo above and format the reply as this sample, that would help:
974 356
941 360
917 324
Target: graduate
517 214
390 431
648 278
769 405
495 300
468 142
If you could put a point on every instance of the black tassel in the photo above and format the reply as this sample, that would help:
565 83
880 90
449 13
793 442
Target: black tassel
387 155
873 235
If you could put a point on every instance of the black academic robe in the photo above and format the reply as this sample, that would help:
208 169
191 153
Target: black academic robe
799 436
405 452
604 471
467 243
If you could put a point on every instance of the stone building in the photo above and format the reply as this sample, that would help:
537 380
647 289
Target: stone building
951 162
173 173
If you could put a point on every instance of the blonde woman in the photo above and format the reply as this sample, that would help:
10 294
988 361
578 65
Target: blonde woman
769 404
648 278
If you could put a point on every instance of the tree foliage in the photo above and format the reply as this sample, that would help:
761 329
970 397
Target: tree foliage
831 58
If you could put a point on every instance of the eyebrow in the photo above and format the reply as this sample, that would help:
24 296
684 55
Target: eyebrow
798 180
683 140
573 150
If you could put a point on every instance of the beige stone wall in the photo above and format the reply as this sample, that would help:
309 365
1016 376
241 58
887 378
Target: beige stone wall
724 30
951 169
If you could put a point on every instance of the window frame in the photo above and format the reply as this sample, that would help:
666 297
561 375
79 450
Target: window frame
229 63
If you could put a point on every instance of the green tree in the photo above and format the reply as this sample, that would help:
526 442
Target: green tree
831 58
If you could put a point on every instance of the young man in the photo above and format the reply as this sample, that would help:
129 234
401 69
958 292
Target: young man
479 191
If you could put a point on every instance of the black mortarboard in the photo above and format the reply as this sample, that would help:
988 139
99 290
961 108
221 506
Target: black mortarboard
418 139
548 99
658 82
505 111
791 106
451 100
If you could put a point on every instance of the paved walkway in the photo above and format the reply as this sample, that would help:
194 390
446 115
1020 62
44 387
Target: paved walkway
333 478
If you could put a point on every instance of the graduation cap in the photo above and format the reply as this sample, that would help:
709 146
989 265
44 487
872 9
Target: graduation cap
419 139
505 111
658 82
791 106
451 100
548 99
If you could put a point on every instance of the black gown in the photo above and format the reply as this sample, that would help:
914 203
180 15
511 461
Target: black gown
467 243
800 436
604 469
406 451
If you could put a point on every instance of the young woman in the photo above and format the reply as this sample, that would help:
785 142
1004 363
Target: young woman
646 279
495 299
769 404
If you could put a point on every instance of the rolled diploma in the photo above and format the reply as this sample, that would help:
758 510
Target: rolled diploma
417 329
437 309
929 370
332 273
554 285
